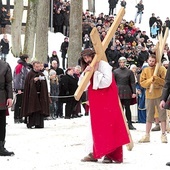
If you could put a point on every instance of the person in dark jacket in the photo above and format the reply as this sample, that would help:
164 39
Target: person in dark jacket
54 92
165 103
125 81
4 44
167 22
112 6
60 72
35 103
140 9
159 24
58 21
143 56
5 102
67 87
63 49
19 76
3 19
66 26
112 57
152 20
54 57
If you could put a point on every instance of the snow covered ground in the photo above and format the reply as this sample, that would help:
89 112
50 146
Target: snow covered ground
62 143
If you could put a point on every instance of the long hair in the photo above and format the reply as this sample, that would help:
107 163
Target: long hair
87 52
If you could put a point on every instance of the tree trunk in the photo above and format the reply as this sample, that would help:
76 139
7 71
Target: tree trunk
75 35
8 5
30 29
16 28
0 4
41 45
90 5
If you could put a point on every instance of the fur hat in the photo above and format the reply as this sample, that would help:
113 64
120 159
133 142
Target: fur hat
52 72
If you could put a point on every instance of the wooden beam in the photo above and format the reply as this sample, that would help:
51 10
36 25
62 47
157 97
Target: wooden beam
159 52
95 35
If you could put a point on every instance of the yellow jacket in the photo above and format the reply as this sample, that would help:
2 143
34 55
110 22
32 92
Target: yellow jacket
147 78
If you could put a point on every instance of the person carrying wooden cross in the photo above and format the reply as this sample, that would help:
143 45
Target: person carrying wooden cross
153 98
107 124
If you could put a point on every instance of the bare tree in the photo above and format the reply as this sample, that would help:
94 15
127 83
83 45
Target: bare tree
91 6
30 28
16 28
41 45
75 35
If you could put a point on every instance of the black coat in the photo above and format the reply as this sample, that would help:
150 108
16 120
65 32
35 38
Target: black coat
125 81
64 47
142 57
166 89
67 87
5 84
152 20
112 3
35 98
112 55
4 46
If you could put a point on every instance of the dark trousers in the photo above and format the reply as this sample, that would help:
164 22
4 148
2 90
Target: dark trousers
63 63
70 108
17 110
111 11
60 109
2 125
126 105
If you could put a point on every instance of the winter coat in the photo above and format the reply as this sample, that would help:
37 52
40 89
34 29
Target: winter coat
54 90
4 46
66 19
112 3
112 55
142 57
125 81
35 98
19 76
55 57
58 19
59 71
64 47
154 30
152 20
166 89
5 84
140 7
67 86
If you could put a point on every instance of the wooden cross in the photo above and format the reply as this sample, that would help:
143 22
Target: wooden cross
100 48
159 51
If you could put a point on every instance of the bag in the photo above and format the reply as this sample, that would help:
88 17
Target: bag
14 102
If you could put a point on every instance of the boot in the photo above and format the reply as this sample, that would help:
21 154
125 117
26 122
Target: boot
3 151
89 158
145 139
156 128
130 126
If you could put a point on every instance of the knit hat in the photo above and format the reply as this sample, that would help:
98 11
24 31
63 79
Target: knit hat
45 65
52 72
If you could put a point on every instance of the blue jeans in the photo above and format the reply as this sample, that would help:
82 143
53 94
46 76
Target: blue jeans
140 16
3 56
